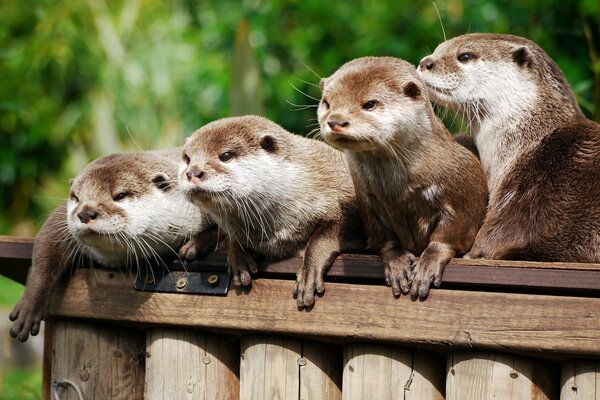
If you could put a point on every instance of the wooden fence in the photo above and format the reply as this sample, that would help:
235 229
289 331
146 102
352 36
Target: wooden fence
495 330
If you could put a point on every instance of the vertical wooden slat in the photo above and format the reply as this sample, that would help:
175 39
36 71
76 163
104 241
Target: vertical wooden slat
580 380
378 371
276 367
186 364
103 362
486 375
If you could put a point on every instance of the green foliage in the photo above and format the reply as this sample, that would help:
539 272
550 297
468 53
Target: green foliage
10 292
21 384
85 78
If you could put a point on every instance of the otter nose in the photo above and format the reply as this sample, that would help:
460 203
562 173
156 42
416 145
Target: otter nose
191 174
338 126
87 214
426 64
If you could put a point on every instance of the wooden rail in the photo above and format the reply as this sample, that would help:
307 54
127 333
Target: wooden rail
262 346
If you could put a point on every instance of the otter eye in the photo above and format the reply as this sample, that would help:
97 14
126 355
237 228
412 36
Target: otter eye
185 158
121 195
73 197
369 105
326 104
464 57
228 155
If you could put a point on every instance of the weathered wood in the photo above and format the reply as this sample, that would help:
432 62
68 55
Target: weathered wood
278 367
580 380
503 321
484 375
187 364
15 257
387 372
102 361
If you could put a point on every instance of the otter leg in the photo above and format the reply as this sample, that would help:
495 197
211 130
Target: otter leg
240 263
430 267
52 254
328 241
398 264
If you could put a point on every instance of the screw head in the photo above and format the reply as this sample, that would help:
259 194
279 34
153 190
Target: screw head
181 282
213 280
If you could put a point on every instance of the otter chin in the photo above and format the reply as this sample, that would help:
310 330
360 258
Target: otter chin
421 193
541 156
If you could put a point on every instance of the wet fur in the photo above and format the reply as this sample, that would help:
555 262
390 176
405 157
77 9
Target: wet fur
280 194
541 155
421 192
151 222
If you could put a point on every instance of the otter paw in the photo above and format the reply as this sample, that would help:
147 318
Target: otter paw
188 251
27 320
399 273
308 283
424 276
239 266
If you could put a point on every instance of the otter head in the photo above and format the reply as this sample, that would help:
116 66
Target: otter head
482 75
373 103
126 207
228 160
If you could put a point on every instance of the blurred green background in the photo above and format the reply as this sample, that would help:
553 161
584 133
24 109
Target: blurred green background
85 78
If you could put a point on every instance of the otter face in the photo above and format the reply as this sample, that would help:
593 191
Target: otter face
372 103
122 209
227 160
479 74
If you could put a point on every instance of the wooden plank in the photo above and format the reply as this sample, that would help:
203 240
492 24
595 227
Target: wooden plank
506 321
15 257
103 362
279 367
187 364
580 380
386 372
484 375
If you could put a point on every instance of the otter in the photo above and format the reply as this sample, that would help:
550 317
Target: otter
122 210
540 154
421 192
274 194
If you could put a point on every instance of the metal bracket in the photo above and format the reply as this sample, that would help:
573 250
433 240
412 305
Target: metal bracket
196 277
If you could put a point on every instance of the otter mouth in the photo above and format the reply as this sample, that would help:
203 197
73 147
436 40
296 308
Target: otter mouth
437 89
199 193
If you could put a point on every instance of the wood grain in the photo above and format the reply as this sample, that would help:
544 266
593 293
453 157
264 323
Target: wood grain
187 364
387 372
102 361
507 321
580 380
279 367
484 375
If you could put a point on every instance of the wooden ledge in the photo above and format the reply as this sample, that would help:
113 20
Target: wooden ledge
348 312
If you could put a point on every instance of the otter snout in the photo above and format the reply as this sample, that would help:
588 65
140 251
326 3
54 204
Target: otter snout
338 126
426 64
87 214
194 173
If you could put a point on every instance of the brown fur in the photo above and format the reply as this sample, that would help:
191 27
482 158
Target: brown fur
278 194
56 248
420 191
545 205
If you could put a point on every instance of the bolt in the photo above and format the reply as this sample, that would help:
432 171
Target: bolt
514 375
213 280
181 282
351 368
190 388
117 353
84 375
302 361
206 360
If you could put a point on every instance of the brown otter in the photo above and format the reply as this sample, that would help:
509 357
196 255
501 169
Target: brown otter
421 192
540 154
273 193
122 210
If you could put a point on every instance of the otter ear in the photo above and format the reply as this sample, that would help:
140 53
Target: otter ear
522 56
411 89
269 144
163 182
322 83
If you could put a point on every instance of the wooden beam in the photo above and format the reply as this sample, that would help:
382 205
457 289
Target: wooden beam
468 319
15 257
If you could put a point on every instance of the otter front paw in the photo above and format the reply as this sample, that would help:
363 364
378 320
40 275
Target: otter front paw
424 276
398 273
27 319
240 264
188 251
308 282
